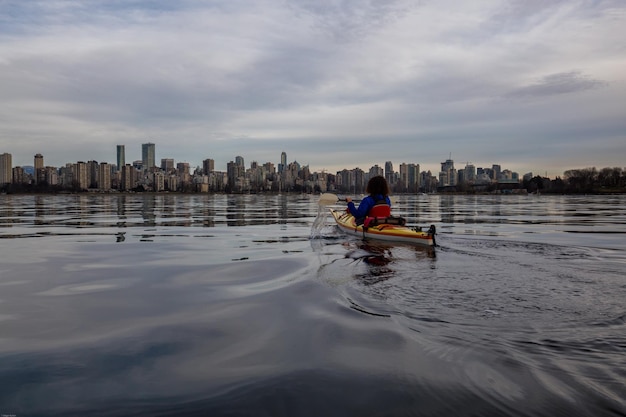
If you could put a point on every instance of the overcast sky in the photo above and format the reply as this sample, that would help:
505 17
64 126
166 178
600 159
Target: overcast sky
535 86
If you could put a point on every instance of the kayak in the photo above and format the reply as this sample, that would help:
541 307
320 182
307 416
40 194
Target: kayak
387 232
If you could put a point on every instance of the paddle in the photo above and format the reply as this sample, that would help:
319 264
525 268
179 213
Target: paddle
327 199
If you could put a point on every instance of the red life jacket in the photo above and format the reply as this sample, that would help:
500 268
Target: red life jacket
380 209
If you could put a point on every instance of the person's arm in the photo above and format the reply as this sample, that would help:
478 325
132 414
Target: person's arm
364 207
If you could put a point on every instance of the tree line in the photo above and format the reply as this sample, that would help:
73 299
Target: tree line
581 181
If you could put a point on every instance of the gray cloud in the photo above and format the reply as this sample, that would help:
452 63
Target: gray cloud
334 83
562 83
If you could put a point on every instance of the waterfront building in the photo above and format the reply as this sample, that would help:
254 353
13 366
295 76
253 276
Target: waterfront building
19 175
38 169
413 178
235 173
376 171
167 164
389 174
158 181
208 166
171 183
128 178
495 172
506 174
269 168
403 182
93 173
470 172
359 180
448 174
183 173
51 176
80 175
104 176
121 156
148 156
66 176
6 168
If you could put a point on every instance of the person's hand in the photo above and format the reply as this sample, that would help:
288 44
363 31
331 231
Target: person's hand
348 199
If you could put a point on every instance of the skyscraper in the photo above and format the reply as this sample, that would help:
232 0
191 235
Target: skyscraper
39 171
496 171
167 164
121 157
208 166
6 168
283 162
447 175
147 156
104 176
389 174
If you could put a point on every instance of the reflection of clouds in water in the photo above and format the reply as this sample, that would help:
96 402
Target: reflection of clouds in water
83 288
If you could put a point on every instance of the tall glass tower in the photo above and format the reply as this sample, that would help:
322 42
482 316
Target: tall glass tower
147 156
389 174
121 157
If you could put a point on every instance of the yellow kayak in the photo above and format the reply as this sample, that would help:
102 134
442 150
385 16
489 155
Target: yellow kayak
388 232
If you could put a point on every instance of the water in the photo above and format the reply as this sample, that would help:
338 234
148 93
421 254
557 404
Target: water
180 305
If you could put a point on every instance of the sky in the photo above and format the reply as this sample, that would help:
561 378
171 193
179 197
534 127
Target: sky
532 85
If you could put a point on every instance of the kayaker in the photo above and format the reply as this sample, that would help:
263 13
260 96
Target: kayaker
376 204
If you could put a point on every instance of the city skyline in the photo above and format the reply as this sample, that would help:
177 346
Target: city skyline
535 86
148 152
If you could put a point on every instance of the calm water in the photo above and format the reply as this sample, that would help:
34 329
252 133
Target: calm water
176 305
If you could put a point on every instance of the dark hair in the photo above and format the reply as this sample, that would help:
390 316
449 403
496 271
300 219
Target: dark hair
378 186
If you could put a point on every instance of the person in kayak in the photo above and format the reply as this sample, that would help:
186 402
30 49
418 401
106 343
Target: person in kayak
376 204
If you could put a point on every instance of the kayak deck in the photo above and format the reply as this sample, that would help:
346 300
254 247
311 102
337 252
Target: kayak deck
388 232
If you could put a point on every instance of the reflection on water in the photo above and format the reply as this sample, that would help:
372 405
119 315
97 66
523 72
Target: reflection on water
176 305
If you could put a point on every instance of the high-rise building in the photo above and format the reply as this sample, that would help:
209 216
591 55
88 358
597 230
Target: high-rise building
495 172
127 180
269 168
80 175
470 172
19 176
208 166
104 176
404 176
414 177
39 171
38 161
148 156
93 173
167 164
389 174
239 161
447 175
376 171
236 175
6 168
184 173
283 162
121 157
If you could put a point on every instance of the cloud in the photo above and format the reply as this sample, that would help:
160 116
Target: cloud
562 83
368 81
